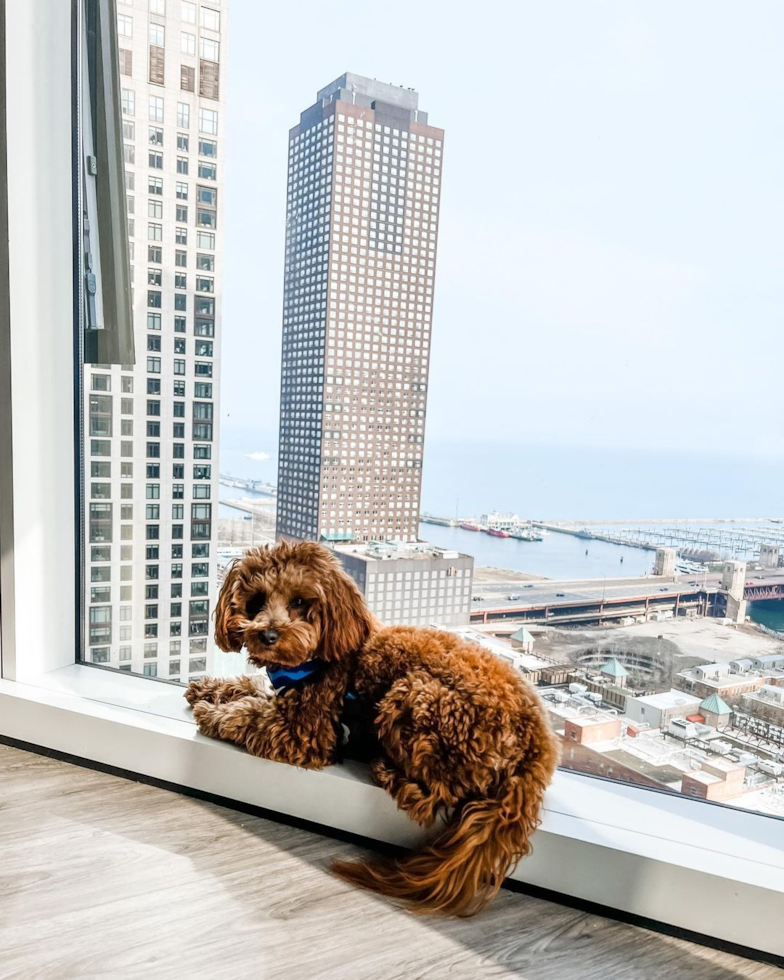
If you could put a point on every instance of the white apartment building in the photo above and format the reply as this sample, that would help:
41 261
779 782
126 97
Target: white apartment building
411 584
151 428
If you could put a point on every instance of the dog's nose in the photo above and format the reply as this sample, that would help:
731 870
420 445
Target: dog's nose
268 636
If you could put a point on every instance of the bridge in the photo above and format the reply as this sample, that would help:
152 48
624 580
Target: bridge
757 591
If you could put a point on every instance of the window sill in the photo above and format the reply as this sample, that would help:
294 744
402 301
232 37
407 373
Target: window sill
691 865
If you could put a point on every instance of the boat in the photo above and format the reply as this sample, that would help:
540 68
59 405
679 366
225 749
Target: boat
526 536
470 526
497 532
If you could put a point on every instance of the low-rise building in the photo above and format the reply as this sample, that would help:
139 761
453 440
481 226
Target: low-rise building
766 703
585 731
697 760
715 711
522 640
768 661
658 709
501 522
615 672
721 679
527 663
411 584
717 779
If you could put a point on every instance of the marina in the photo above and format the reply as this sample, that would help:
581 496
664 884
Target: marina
555 556
696 541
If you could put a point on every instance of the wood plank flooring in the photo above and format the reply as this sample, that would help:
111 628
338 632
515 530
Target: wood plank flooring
104 878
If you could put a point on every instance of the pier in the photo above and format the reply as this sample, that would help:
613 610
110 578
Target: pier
712 541
255 486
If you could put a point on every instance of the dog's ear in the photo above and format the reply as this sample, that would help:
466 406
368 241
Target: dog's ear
346 620
227 636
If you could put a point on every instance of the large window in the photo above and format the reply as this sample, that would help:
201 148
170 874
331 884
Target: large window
645 641
590 397
655 643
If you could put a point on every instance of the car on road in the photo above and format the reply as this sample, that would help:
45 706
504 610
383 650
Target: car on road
513 597
664 588
560 595
529 586
478 598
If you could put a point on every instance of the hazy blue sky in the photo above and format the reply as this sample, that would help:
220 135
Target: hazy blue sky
611 250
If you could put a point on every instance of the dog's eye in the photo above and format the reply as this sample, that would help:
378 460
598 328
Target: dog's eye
255 604
298 603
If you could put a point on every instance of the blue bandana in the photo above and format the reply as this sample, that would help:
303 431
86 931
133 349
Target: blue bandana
283 679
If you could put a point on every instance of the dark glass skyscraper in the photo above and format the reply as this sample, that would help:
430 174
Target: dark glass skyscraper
361 231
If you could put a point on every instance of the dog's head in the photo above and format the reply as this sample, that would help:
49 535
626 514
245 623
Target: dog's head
289 603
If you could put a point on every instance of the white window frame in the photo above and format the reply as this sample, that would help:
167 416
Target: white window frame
712 869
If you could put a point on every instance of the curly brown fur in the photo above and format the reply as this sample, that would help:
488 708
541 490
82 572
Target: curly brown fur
462 735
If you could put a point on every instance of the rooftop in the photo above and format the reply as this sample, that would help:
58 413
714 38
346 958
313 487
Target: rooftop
396 550
703 777
668 699
587 721
350 84
723 765
715 704
525 661
614 668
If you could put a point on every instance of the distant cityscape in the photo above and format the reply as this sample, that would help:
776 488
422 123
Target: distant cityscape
657 681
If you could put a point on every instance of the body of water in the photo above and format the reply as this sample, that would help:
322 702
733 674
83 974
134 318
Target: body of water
560 556
769 612
236 493
560 483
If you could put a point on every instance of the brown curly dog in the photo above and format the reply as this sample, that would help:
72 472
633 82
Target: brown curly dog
452 729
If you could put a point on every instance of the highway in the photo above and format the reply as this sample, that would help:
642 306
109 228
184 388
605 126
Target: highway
548 592
492 598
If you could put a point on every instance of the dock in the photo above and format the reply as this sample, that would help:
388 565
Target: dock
255 486
442 521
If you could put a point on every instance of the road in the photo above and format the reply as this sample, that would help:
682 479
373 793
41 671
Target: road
559 593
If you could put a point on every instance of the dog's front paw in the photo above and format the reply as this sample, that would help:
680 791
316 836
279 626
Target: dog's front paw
206 717
201 690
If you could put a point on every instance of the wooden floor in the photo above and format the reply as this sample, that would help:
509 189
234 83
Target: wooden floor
105 878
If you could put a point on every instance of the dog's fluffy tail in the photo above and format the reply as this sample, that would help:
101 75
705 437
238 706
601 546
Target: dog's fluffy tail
463 868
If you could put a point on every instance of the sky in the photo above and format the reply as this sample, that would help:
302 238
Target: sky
610 262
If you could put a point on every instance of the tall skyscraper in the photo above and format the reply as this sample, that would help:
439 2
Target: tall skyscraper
151 449
364 184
